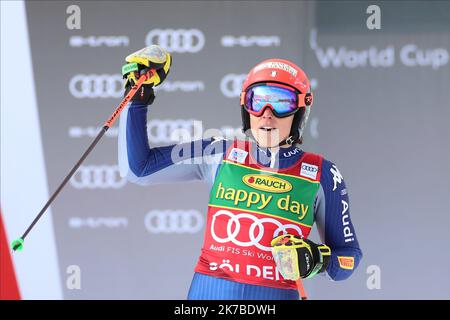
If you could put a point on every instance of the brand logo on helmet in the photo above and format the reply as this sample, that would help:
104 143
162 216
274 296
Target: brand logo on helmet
267 183
276 65
308 99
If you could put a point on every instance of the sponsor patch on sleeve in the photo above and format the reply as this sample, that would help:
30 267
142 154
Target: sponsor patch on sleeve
237 155
309 171
346 262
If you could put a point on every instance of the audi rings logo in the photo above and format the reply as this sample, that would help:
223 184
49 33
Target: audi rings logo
231 85
97 177
173 221
166 131
235 222
179 40
96 86
181 130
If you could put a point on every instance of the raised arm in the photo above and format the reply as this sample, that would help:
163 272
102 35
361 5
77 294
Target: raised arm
141 164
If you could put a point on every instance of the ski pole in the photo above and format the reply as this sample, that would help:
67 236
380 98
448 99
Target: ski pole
18 243
301 289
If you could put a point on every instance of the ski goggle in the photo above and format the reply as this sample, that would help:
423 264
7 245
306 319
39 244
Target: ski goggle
282 100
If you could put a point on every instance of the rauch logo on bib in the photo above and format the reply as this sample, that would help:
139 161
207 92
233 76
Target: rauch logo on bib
267 183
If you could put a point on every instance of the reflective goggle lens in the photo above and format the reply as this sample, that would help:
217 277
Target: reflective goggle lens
283 101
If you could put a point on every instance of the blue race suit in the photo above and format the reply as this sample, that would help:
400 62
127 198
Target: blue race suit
143 165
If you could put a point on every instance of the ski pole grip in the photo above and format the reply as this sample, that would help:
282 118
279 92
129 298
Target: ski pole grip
108 124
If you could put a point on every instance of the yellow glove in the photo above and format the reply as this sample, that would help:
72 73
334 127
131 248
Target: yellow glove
297 257
139 62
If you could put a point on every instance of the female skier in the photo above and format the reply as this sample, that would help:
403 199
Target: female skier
266 192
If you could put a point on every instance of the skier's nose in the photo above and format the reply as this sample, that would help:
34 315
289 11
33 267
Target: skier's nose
267 114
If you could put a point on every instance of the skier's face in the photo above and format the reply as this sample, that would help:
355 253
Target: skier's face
269 130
